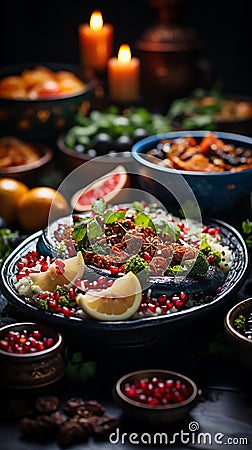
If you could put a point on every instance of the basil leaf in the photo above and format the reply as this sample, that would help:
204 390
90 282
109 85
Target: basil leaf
144 220
112 218
94 229
80 230
99 206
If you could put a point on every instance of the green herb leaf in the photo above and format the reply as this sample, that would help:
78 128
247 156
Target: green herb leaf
80 230
114 216
144 220
94 229
99 206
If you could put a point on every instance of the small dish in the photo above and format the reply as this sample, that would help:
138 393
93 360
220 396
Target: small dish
43 117
177 392
240 344
28 173
23 369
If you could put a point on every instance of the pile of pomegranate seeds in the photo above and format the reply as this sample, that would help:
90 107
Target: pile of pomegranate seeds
25 341
157 391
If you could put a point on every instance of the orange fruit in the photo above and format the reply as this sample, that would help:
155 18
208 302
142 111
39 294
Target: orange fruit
11 192
118 302
73 268
107 187
36 205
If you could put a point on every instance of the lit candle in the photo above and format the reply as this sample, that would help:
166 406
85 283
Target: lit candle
124 77
96 43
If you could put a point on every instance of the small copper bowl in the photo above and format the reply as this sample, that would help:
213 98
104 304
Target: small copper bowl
32 370
155 415
240 344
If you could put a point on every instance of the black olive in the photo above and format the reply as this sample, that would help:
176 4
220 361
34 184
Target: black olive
139 133
123 143
102 143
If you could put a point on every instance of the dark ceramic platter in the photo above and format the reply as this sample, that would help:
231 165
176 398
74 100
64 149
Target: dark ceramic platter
137 331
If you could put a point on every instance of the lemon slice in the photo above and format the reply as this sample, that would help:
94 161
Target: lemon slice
118 302
72 269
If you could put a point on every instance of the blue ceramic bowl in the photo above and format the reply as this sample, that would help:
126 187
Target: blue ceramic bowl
215 192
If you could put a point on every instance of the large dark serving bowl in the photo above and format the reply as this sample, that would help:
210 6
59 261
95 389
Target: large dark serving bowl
134 331
42 117
216 192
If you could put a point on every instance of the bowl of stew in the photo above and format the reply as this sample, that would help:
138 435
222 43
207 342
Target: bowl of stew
216 166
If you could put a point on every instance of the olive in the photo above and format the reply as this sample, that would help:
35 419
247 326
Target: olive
102 143
139 133
123 143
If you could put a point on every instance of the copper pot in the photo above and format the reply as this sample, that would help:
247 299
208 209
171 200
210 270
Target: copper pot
170 57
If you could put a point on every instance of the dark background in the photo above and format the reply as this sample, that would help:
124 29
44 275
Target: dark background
47 31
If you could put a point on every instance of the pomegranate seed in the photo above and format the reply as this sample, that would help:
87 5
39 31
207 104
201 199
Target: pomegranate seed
101 281
52 304
49 342
20 276
110 283
182 296
66 311
169 304
78 283
57 295
211 231
43 296
147 257
211 259
152 308
164 308
36 334
121 269
20 266
162 299
143 307
71 293
179 304
174 299
20 350
31 263
95 284
152 401
40 346
114 270
205 229
44 267
59 271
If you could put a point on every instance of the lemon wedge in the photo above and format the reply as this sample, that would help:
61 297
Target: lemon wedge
118 302
60 273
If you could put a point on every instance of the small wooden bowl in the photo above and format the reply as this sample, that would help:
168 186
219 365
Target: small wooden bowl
155 415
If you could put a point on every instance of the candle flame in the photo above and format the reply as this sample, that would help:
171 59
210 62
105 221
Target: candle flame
96 21
124 54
